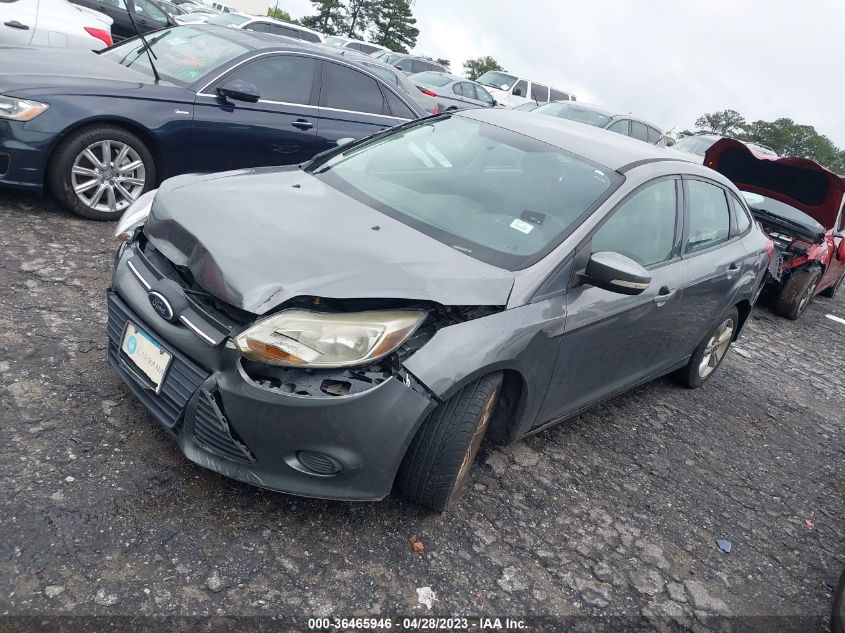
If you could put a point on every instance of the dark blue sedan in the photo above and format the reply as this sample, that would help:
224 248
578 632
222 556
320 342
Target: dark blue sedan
101 129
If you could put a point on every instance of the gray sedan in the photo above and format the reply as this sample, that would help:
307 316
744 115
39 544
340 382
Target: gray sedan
452 92
607 119
363 321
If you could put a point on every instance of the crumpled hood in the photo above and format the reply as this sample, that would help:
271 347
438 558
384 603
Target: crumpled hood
799 182
256 238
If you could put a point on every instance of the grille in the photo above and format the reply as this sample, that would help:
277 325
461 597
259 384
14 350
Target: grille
319 463
182 379
212 431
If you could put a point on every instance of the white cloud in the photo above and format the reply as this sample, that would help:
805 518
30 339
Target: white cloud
668 61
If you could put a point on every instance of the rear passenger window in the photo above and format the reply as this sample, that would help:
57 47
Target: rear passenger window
742 220
639 131
285 78
418 66
521 88
308 37
261 27
710 220
539 92
643 226
397 108
557 95
347 89
654 135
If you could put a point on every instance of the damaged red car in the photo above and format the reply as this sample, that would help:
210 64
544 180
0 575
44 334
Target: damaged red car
799 204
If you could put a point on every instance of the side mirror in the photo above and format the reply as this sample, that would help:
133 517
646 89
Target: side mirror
494 104
239 90
616 273
517 92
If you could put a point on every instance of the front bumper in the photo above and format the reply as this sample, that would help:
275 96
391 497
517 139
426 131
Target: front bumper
226 421
23 155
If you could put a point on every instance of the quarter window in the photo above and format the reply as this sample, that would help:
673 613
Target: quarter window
557 95
639 131
643 226
285 78
347 89
397 108
710 220
742 219
654 135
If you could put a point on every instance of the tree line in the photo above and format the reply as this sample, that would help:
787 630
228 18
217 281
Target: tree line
783 135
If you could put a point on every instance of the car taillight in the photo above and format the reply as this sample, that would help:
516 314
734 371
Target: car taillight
428 92
770 249
100 34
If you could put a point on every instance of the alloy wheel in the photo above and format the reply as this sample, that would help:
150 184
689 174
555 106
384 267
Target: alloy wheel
808 295
716 348
108 176
475 442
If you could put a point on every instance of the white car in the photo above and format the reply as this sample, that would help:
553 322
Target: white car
53 23
265 25
512 91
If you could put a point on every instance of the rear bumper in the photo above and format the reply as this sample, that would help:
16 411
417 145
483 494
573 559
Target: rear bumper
226 421
23 155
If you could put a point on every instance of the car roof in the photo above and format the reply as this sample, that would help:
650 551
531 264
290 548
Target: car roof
256 40
606 112
595 144
267 18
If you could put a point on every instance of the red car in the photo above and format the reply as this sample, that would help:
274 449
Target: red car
799 205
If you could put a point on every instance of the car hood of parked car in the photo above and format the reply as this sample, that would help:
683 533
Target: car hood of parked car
40 71
799 182
256 238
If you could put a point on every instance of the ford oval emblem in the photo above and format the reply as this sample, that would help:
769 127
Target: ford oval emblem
161 305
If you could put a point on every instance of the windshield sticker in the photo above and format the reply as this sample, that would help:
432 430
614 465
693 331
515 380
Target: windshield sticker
522 226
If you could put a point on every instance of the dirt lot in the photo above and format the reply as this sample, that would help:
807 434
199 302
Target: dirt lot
613 513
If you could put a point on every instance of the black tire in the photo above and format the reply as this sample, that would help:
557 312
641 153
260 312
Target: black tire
692 375
797 293
830 291
59 177
837 616
441 453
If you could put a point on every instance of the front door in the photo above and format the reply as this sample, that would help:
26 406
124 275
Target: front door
280 129
611 340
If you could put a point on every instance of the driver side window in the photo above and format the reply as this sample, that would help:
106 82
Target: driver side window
643 226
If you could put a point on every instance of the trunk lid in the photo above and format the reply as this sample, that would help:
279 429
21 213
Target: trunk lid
256 238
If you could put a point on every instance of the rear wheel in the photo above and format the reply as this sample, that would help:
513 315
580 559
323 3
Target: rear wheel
441 454
710 352
837 618
798 292
99 171
831 291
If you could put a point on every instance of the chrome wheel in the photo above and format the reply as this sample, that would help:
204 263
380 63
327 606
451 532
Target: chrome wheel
716 348
108 176
808 295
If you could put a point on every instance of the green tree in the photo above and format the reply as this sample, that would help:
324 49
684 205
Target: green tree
443 62
280 14
724 123
329 19
359 17
474 68
393 25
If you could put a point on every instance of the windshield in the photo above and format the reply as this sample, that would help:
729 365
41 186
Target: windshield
228 19
574 113
757 202
432 79
182 55
495 79
498 196
695 144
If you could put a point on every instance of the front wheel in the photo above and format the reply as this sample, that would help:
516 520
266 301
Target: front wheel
831 291
99 171
441 454
710 352
797 293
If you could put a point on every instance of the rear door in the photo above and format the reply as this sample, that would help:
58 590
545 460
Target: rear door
19 19
280 129
714 259
351 105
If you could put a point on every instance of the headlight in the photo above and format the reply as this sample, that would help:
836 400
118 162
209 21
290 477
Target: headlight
299 338
133 216
20 109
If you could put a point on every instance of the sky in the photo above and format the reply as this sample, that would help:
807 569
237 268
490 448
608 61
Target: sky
666 61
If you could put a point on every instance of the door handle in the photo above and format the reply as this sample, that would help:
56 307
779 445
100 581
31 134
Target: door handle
302 124
16 25
663 295
733 269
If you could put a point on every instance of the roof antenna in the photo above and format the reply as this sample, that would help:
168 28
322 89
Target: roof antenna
130 8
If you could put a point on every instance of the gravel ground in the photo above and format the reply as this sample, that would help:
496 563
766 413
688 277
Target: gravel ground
614 513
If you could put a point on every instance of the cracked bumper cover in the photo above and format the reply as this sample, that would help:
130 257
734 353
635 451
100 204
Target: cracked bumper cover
366 433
